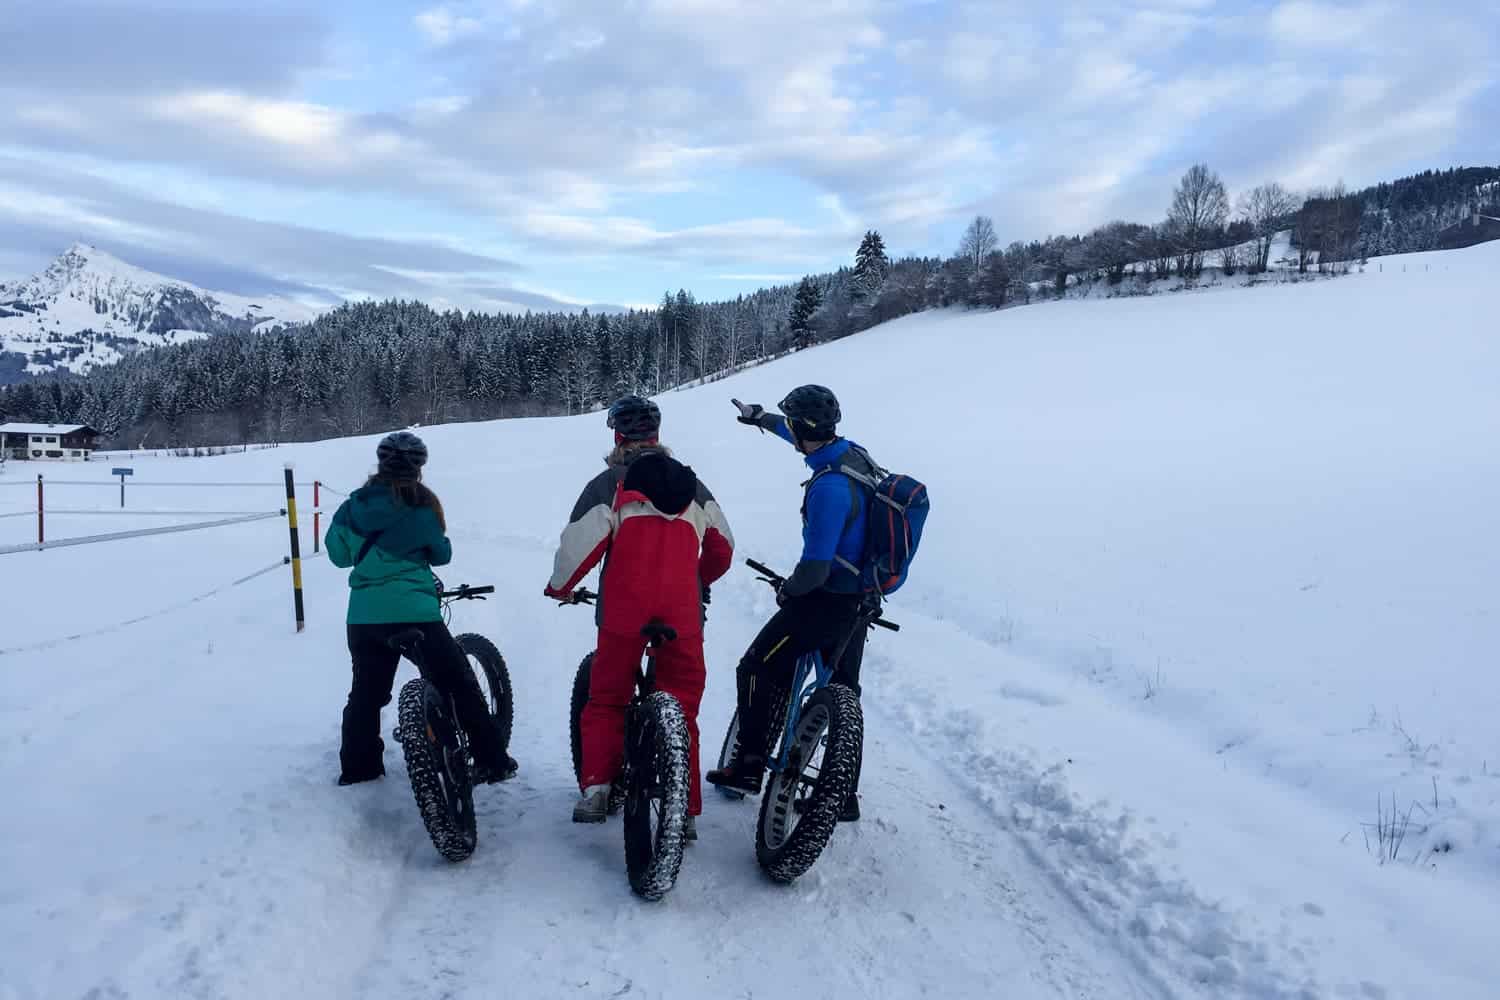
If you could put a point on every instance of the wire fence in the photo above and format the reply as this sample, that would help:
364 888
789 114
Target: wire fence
136 512
114 536
159 613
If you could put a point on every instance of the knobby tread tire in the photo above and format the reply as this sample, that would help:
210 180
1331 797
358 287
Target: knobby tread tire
797 852
731 745
579 699
575 712
453 840
656 735
497 676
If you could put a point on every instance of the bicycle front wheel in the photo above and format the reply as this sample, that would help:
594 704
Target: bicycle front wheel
439 774
656 794
801 803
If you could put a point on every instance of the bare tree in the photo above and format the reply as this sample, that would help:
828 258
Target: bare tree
1199 207
1267 209
979 240
1229 259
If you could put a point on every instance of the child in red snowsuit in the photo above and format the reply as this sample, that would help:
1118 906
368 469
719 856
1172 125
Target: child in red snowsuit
663 540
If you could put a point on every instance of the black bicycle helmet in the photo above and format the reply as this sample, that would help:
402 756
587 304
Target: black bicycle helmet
635 418
812 411
401 455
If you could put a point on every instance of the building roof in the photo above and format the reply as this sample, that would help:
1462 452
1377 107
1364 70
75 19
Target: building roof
45 428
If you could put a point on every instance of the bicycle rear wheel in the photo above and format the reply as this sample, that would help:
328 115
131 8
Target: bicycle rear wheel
801 803
575 729
438 771
494 681
656 794
731 747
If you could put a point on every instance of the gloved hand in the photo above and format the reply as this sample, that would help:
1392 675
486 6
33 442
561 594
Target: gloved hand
707 595
560 596
750 413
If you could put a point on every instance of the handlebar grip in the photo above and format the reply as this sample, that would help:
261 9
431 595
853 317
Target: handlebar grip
464 592
773 577
882 623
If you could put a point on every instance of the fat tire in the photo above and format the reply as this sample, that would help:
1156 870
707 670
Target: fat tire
497 679
575 713
575 729
656 748
454 837
785 855
731 745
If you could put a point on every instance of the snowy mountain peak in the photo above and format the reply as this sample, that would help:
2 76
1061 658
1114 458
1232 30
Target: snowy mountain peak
89 308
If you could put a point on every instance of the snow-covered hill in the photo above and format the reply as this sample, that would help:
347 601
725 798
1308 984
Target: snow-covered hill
89 308
1206 577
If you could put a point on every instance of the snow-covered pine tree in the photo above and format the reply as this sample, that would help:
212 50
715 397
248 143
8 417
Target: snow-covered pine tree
809 298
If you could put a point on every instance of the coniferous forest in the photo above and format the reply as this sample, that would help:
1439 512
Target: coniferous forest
372 366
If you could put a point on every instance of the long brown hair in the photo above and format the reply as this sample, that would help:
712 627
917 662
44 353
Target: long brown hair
412 493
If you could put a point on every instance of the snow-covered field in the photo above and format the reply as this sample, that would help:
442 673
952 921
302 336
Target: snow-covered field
1207 577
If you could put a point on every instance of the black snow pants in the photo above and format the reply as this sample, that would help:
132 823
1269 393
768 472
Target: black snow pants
819 621
444 665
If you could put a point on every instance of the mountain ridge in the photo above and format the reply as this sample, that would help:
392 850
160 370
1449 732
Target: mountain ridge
89 308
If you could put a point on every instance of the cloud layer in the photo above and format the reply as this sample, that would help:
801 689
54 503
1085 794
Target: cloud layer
528 153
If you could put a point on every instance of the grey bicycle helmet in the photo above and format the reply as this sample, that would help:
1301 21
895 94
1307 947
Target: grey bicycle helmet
812 411
635 418
401 455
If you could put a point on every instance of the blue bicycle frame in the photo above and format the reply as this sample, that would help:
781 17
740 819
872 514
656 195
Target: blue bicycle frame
808 665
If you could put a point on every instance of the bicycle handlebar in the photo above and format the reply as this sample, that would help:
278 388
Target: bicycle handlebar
775 579
768 574
465 593
580 596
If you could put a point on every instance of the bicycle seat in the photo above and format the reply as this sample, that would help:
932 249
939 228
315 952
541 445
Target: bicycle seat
405 639
657 633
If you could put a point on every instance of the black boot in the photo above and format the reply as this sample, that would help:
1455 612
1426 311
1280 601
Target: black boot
489 774
353 777
743 774
850 812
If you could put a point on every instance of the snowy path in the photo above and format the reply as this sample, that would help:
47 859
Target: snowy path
930 901
230 866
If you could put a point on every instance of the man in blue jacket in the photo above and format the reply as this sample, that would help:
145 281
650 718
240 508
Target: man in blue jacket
821 602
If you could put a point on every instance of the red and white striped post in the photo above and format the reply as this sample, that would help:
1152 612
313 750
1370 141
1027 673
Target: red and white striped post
317 514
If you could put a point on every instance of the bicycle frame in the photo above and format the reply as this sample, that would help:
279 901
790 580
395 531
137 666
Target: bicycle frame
808 665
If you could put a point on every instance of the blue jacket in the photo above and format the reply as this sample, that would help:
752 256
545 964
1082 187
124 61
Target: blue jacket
834 517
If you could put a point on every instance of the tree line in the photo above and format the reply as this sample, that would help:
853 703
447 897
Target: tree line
370 366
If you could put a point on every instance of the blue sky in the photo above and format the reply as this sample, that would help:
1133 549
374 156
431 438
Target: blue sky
524 154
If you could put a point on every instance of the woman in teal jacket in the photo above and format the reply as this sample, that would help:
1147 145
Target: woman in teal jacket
391 532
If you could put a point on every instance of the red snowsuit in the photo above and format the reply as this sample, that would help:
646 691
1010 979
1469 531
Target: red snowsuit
663 538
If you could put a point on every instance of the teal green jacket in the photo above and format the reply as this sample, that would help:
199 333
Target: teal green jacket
393 582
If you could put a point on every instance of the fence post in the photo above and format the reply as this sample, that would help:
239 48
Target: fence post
291 520
41 536
317 515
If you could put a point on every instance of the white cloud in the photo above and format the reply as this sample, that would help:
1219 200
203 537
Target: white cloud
441 26
563 125
1320 25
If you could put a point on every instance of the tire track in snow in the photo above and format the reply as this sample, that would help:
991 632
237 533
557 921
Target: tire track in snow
1094 858
922 898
